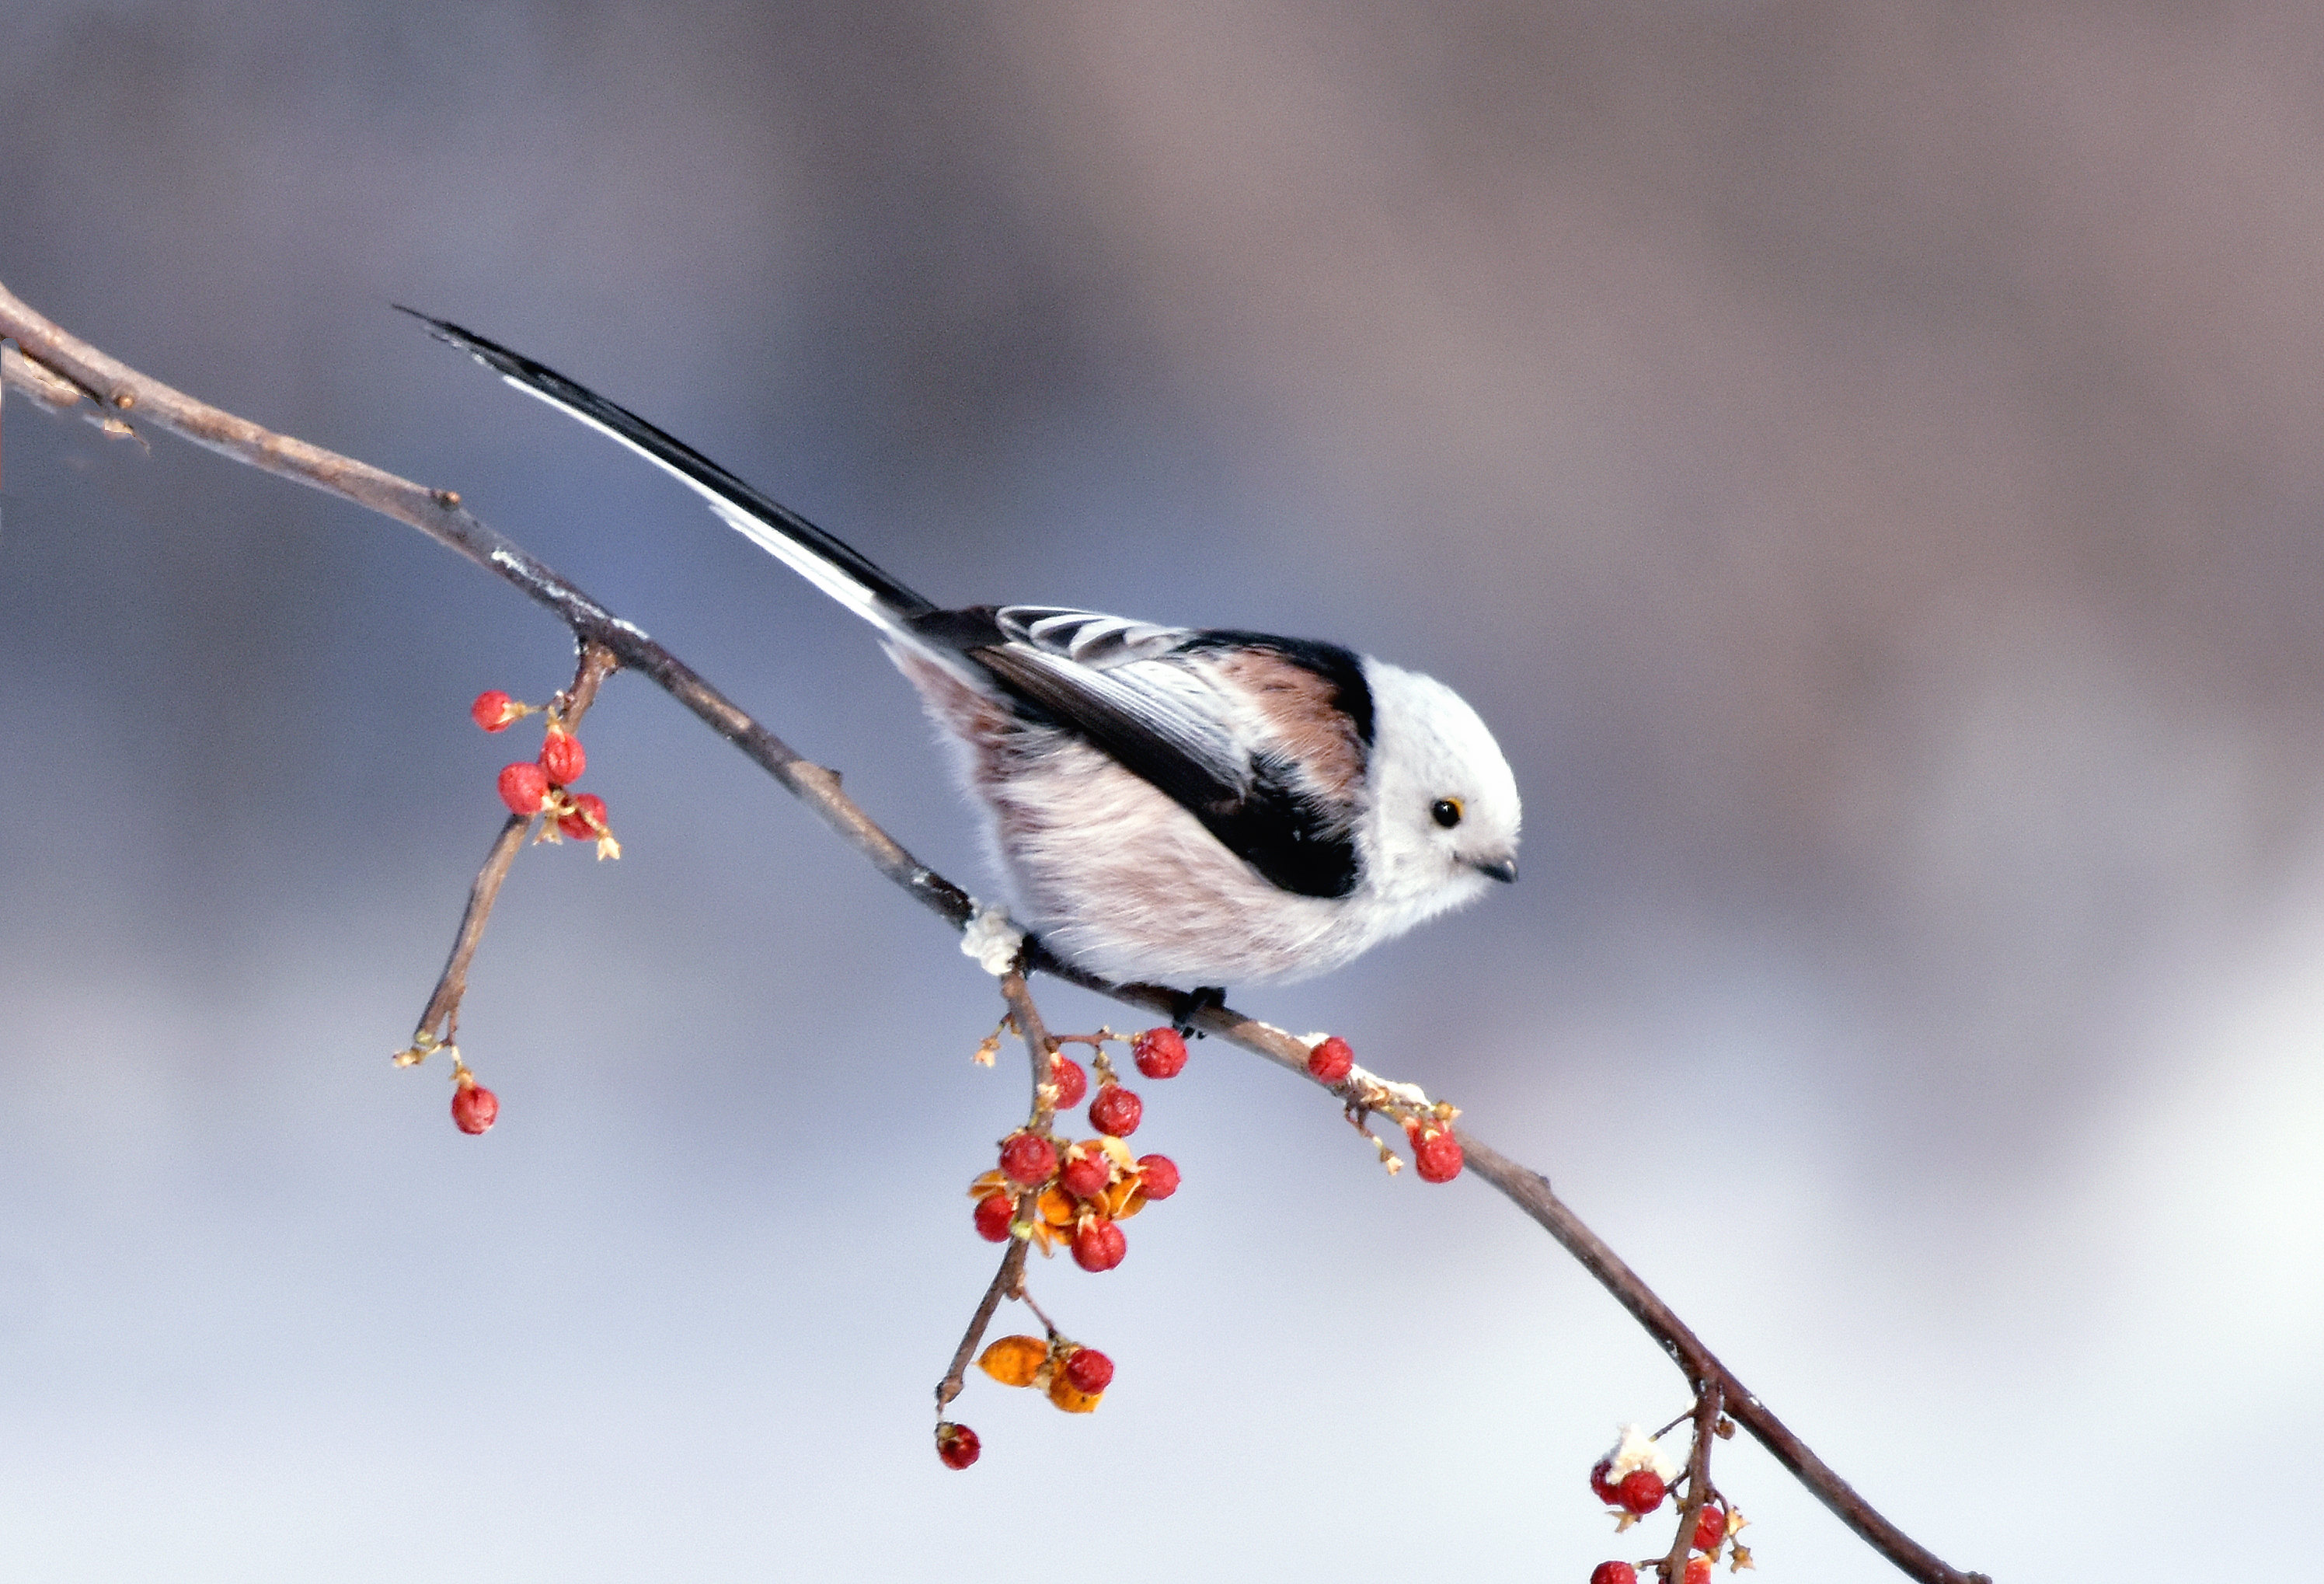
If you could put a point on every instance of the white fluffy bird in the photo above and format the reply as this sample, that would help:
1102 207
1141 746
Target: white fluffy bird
1167 804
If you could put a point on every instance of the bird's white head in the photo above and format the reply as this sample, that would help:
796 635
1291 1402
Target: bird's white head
1444 817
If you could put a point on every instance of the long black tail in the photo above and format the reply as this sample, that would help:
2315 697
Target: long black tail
836 568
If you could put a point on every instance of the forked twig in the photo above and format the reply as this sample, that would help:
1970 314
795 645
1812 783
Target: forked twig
439 1023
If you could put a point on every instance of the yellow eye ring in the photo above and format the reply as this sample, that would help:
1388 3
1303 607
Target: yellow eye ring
1446 812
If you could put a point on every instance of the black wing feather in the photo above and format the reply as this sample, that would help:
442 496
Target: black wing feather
676 454
1254 803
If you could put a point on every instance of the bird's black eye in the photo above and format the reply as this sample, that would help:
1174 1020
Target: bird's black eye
1445 811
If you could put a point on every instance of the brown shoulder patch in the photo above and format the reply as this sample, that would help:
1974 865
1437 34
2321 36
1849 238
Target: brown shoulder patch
1300 707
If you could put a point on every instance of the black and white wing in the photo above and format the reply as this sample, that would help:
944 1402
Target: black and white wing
829 562
1260 738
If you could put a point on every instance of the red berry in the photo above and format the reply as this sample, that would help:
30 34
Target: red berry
1072 1082
1028 1158
1641 1491
1603 1488
1709 1528
1099 1246
1160 1053
1089 1370
524 788
1158 1176
957 1445
1613 1573
562 758
474 1108
1698 1570
586 807
1115 1110
1436 1154
495 710
1086 1176
994 1211
1330 1058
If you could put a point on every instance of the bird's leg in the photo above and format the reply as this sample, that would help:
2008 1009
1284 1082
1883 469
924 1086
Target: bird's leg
1201 998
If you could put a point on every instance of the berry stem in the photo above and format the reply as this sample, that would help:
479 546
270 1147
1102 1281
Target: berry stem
1009 1281
1039 1046
1009 1278
1709 1403
1024 1297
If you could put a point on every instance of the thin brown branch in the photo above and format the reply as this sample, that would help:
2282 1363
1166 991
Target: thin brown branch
1039 1046
56 393
1530 1192
1008 1279
440 1022
439 514
52 391
1709 1396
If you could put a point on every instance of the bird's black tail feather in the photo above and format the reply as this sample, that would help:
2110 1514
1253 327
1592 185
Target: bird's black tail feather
831 564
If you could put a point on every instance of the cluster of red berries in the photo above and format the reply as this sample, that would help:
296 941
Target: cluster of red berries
1083 1192
1639 1489
1072 1378
538 786
1435 1152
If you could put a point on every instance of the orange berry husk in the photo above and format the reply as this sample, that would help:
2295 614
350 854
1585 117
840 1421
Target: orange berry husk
1072 1398
1015 1361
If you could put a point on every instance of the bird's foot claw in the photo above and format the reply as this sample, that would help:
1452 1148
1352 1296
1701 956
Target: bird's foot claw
1201 998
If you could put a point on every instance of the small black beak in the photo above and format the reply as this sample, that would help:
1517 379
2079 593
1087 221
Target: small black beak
1505 870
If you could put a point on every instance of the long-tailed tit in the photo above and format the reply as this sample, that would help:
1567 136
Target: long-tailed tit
1167 803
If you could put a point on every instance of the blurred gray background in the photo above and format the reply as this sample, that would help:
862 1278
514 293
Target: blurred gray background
1863 460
